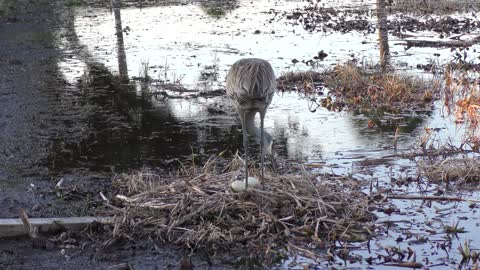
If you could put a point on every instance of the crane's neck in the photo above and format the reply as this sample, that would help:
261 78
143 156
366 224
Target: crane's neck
250 124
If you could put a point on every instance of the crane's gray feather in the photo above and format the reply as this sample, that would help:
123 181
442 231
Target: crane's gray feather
251 83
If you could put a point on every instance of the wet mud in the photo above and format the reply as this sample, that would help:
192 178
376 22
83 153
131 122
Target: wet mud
33 104
78 133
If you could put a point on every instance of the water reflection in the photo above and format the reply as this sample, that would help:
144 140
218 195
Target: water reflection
388 122
128 130
382 25
122 57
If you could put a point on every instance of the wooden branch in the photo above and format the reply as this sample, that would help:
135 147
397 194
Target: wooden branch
432 198
441 43
15 227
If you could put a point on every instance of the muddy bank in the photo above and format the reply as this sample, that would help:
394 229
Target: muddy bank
82 253
49 124
53 130
32 95
36 118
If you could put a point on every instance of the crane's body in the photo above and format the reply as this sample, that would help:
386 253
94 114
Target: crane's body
251 85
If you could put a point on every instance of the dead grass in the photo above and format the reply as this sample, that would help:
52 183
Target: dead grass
442 161
363 88
198 210
369 89
459 170
306 82
462 96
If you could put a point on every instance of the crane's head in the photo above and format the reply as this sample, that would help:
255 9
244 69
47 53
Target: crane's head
267 143
267 140
268 150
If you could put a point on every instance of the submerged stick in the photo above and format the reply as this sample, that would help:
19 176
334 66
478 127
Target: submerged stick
432 198
307 253
405 264
439 43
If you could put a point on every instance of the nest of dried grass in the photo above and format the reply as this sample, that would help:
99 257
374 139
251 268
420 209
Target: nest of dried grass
292 212
459 170
304 82
371 88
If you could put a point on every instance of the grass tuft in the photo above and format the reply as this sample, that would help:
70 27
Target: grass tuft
372 89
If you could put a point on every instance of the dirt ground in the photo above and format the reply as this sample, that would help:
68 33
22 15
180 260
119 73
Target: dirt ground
34 105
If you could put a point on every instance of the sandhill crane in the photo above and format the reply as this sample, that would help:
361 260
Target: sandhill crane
251 85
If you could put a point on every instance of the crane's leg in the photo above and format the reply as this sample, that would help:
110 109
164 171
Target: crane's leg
243 118
262 143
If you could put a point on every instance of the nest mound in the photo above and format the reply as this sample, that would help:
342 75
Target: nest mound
291 212
304 82
461 170
369 88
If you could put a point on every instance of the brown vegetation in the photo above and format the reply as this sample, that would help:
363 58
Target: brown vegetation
370 89
459 170
462 96
307 82
362 88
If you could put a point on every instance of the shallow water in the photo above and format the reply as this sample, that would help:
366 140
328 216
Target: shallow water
188 42
183 43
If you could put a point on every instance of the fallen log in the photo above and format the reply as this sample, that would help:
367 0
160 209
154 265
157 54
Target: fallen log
15 227
441 43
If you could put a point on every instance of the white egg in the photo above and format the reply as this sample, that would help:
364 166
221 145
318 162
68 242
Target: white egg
252 181
238 186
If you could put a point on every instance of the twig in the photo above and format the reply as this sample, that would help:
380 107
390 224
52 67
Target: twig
29 229
59 184
104 198
406 264
307 253
187 217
